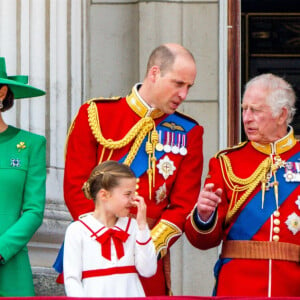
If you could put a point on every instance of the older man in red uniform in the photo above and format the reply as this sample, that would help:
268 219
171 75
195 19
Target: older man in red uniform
162 146
251 199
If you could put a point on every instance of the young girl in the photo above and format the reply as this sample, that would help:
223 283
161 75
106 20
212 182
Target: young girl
106 250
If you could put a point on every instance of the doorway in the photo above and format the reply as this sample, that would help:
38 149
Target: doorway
269 42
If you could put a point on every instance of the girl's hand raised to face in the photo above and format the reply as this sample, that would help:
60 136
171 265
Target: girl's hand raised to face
141 216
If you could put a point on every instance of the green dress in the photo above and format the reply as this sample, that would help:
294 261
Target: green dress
22 194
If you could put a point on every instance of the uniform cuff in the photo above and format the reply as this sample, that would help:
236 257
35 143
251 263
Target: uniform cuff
202 225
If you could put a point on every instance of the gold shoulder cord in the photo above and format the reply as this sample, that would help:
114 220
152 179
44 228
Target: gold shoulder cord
237 184
138 132
224 151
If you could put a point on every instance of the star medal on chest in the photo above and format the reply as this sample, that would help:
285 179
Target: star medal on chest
293 223
166 167
161 194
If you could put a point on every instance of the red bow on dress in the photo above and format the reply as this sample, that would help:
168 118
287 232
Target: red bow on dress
118 237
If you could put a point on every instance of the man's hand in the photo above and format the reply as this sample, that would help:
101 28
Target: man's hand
208 200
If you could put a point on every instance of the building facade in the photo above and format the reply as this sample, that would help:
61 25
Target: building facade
80 49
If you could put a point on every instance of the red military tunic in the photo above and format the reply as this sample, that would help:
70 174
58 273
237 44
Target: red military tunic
104 123
261 239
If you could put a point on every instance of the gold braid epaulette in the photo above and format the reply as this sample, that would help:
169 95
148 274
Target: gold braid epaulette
236 147
115 98
102 99
145 126
138 131
237 184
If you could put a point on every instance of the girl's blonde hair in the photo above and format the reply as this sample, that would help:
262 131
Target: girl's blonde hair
105 176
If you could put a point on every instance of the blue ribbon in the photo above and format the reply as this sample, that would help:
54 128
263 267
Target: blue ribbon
140 163
252 217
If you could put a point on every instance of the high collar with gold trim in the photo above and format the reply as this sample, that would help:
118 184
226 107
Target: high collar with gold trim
278 147
140 107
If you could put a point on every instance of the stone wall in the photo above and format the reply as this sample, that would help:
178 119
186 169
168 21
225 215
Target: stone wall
78 49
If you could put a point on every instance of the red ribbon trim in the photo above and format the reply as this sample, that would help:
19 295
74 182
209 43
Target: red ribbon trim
145 243
109 271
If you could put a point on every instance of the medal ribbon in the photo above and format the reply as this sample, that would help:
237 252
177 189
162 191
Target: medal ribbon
118 237
140 164
252 217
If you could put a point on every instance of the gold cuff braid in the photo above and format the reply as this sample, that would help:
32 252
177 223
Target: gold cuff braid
161 234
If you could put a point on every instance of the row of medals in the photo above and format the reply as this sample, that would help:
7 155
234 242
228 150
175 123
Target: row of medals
171 142
292 171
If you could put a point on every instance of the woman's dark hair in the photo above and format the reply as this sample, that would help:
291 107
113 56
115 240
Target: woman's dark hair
8 102
106 176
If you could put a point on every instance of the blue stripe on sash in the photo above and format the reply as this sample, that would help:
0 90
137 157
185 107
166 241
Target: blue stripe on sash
140 163
252 217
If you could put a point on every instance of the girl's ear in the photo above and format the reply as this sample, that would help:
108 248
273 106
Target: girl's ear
104 194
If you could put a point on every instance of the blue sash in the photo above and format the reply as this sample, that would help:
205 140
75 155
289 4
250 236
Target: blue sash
252 217
140 163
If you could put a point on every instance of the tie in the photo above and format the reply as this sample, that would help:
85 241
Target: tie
118 237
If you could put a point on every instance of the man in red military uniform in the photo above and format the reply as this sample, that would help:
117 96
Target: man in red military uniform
162 146
251 199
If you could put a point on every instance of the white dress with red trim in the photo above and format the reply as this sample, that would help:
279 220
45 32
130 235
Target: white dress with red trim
105 262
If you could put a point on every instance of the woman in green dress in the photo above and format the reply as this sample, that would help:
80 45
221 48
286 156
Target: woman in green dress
22 189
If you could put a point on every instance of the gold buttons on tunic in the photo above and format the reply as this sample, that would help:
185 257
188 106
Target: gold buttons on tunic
276 228
137 186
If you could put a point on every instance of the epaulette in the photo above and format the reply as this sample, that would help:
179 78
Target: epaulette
73 121
103 99
233 148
